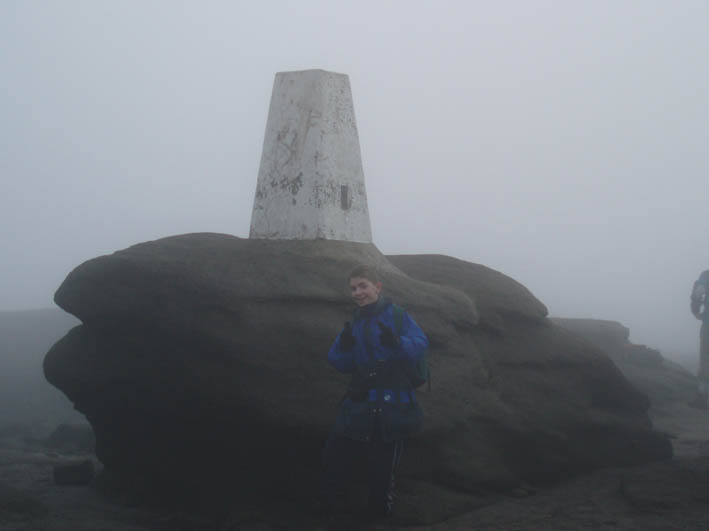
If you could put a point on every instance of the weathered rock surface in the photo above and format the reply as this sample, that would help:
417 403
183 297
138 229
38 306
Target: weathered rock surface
74 473
204 355
613 338
664 382
497 296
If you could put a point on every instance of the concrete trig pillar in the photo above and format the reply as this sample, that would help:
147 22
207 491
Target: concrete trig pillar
310 183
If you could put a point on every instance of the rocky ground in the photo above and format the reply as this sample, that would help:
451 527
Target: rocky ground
665 495
577 385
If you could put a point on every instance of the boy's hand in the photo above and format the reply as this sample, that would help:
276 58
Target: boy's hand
347 340
388 339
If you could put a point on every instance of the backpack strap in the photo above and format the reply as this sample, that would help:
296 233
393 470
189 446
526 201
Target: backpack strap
398 314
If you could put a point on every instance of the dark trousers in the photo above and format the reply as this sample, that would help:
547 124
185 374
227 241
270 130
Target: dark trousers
342 457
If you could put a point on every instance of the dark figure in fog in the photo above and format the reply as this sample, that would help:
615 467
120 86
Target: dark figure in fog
699 309
382 348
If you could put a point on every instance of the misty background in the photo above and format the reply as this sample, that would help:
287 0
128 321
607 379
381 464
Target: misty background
561 143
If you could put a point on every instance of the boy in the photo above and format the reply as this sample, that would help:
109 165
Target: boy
380 348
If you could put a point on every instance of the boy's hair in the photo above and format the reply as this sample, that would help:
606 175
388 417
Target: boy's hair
364 271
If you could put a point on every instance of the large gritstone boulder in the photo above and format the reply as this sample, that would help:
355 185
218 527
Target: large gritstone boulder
204 356
668 385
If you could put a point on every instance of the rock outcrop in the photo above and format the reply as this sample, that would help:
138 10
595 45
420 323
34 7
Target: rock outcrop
204 356
664 382
613 338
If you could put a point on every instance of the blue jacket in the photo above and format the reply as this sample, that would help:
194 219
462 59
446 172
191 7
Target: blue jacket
379 388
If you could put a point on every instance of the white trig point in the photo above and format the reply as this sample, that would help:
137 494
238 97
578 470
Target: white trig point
310 183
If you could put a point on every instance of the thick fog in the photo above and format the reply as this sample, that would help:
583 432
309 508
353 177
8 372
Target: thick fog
561 143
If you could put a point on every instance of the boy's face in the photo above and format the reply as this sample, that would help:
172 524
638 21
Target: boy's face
364 291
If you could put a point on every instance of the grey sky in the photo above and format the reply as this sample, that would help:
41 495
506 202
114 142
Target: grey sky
562 143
